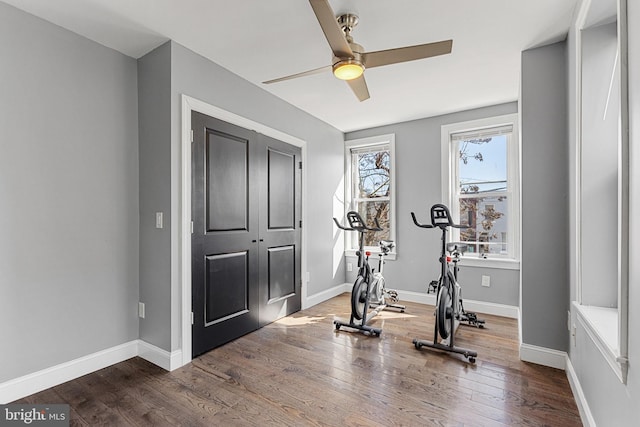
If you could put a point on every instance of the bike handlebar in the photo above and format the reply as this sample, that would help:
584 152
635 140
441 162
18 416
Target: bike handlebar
341 226
440 217
357 224
415 221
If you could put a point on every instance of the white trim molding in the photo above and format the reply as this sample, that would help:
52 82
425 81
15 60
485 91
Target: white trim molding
600 324
613 340
325 295
29 384
364 143
484 307
494 309
581 400
449 179
26 385
543 356
168 361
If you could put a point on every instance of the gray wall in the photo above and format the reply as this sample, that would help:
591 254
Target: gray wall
418 187
154 112
68 196
545 204
193 75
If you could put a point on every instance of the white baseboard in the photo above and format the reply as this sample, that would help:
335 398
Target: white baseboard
578 394
503 310
32 383
166 360
543 356
41 380
419 297
325 295
476 306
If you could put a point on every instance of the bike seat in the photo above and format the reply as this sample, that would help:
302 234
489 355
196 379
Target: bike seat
386 245
456 246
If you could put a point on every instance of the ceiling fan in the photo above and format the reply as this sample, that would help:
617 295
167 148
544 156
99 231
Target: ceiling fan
350 59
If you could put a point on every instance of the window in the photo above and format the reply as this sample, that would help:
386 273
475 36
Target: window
370 187
480 186
602 182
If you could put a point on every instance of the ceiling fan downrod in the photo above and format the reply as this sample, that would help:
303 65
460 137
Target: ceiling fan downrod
347 22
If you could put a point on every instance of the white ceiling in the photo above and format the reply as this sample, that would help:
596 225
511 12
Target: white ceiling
264 39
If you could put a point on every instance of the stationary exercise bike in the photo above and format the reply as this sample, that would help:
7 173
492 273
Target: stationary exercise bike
380 295
449 308
468 317
369 289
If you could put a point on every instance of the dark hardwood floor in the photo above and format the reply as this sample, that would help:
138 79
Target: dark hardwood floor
299 371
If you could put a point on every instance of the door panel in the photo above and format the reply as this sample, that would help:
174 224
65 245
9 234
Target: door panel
280 199
225 297
282 272
227 182
226 287
281 169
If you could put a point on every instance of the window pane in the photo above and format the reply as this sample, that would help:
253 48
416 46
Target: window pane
482 164
369 211
373 169
486 218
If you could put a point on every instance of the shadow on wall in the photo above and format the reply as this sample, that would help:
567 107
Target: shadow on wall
338 235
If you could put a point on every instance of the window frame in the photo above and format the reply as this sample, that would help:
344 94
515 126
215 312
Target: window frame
350 242
449 161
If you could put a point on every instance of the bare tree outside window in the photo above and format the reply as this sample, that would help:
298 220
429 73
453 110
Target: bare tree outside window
372 192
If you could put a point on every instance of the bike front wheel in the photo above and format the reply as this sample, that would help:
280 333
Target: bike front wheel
358 298
444 312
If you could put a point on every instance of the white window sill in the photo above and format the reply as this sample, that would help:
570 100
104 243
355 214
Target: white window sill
500 263
601 324
351 253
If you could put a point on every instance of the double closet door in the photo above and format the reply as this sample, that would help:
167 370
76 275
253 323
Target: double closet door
245 245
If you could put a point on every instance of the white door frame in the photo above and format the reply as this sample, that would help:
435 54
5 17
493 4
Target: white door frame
190 104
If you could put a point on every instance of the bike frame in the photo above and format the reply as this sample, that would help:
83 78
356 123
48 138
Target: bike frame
441 218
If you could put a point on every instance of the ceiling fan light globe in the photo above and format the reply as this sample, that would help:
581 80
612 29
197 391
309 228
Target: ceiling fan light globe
348 69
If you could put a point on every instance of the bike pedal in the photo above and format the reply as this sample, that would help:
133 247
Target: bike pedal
432 287
393 296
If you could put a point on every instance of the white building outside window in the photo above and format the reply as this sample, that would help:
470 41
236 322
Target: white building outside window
481 187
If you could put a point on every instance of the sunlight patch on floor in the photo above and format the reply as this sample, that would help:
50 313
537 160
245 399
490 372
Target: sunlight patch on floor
299 321
395 315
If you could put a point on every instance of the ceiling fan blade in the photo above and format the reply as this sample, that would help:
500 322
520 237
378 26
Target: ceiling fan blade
409 53
359 88
302 74
331 29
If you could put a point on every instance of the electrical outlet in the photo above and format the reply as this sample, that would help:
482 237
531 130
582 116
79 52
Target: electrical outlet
349 266
486 281
141 310
159 220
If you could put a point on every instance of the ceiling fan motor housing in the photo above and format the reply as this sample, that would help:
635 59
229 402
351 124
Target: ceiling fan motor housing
356 63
